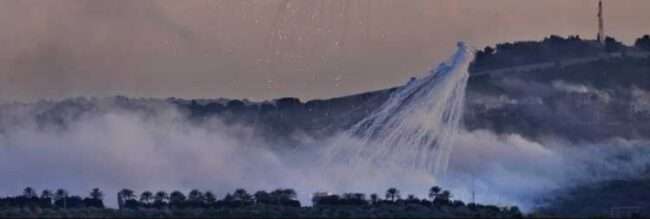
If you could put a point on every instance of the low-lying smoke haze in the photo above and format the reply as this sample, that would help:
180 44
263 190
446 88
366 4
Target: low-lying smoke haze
508 139
264 49
149 144
117 148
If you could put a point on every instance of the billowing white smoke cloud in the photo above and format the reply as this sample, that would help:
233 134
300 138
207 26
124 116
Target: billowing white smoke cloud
118 149
112 148
510 169
163 151
121 149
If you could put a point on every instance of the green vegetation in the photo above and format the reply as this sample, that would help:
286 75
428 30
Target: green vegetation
643 43
551 49
615 198
280 203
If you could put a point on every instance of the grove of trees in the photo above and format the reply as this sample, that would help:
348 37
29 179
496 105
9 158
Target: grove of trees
279 203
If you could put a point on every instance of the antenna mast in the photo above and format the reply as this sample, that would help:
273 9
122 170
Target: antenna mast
601 24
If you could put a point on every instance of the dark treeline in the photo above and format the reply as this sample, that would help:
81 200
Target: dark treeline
240 203
643 43
127 199
552 48
630 197
49 199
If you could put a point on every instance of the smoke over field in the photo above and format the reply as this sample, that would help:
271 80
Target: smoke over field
521 139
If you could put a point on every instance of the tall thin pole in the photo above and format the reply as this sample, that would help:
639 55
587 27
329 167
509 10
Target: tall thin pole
601 23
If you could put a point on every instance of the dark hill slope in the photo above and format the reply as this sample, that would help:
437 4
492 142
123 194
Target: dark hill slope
582 101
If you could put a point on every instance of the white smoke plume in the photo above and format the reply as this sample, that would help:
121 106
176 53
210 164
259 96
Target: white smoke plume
114 148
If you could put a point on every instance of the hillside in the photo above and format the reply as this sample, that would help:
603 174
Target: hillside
540 91
584 101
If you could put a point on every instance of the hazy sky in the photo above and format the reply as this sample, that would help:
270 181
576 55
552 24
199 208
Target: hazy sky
268 48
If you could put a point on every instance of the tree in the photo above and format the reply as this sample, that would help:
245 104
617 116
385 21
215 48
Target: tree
161 196
146 197
443 198
434 192
283 194
242 196
445 195
290 194
47 197
210 198
123 196
489 50
611 45
61 196
392 194
374 198
126 194
47 194
262 197
195 198
160 199
195 195
176 199
643 43
97 194
29 192
355 199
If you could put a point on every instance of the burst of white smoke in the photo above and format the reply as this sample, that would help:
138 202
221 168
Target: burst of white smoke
115 148
416 127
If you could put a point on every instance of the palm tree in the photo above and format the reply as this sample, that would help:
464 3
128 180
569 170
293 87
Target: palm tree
242 195
358 196
161 196
374 198
434 192
210 198
146 197
176 198
392 194
47 194
195 196
61 195
126 194
96 194
283 194
29 192
262 197
445 196
123 196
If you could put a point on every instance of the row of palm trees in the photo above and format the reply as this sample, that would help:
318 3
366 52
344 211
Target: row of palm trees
435 193
48 199
278 201
29 192
127 198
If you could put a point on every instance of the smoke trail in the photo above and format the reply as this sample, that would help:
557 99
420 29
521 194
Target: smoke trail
415 128
143 144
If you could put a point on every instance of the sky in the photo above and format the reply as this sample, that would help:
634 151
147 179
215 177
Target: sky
266 49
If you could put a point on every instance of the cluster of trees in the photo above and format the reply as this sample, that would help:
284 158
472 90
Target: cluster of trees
643 43
49 199
280 203
437 197
550 49
127 199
